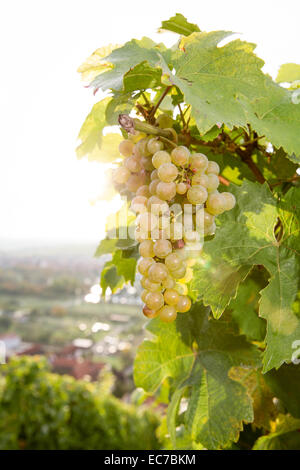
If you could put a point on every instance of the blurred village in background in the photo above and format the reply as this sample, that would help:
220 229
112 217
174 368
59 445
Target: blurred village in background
51 305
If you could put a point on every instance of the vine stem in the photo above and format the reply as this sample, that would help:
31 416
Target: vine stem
151 116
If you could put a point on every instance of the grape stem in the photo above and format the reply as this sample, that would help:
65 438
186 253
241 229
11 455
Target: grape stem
153 111
131 125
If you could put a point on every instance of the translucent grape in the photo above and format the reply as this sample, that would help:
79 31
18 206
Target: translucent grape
168 283
162 248
146 249
164 121
121 175
181 188
154 175
147 221
139 204
144 294
199 162
200 178
157 272
203 219
126 148
173 261
184 304
142 147
153 186
213 167
144 264
157 206
176 231
146 163
149 313
197 194
140 235
154 300
154 145
133 164
166 191
167 314
191 236
134 181
143 191
213 182
152 286
171 296
229 201
160 157
215 204
167 172
179 273
180 155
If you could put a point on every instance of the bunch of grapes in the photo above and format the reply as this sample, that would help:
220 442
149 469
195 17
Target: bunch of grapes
161 180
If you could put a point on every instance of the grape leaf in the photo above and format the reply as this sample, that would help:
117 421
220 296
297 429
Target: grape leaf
288 73
285 384
246 238
125 266
95 63
94 144
110 278
126 58
179 24
263 407
217 405
285 435
106 246
141 77
226 85
244 310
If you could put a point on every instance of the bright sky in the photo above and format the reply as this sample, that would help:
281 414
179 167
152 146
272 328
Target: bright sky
44 190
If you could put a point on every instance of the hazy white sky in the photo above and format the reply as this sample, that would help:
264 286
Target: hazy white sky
44 190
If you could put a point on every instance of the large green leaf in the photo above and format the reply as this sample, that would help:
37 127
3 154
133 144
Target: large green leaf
246 238
197 353
226 85
179 24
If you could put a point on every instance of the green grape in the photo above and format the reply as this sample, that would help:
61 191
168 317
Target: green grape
171 296
181 188
215 204
146 163
167 172
229 201
210 230
139 204
200 178
144 294
154 175
134 182
167 314
184 304
157 206
133 164
147 221
153 186
121 175
162 248
180 155
173 261
197 194
144 264
164 121
199 162
126 148
204 219
160 157
149 313
142 147
180 272
143 191
157 272
213 182
154 300
146 249
166 191
168 283
154 145
152 286
213 167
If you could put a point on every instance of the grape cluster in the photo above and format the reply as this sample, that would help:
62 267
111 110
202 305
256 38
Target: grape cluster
158 182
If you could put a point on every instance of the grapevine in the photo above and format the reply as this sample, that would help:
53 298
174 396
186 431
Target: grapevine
208 166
